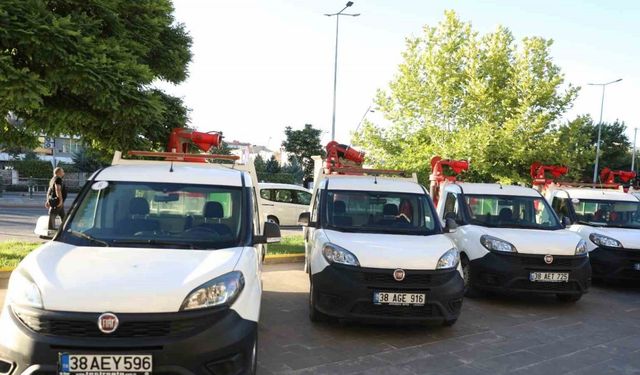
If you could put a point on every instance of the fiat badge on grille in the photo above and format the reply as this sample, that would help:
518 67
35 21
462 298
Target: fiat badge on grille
398 274
107 323
548 259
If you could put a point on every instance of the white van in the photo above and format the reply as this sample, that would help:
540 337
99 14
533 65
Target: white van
511 240
609 221
376 252
283 203
157 268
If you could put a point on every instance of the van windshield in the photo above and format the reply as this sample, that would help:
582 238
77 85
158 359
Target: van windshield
380 212
621 214
135 214
506 211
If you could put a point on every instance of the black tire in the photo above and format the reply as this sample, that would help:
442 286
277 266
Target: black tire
469 289
273 219
449 322
254 353
569 298
314 315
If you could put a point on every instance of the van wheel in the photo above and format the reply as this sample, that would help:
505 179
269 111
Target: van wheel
569 298
273 219
469 290
254 356
314 315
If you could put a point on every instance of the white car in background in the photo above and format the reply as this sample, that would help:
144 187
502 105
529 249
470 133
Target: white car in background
283 203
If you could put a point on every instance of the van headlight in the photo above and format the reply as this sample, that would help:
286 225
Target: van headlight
449 259
23 291
605 241
336 254
219 291
496 244
581 248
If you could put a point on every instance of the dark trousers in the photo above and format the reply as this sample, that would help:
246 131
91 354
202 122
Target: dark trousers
53 212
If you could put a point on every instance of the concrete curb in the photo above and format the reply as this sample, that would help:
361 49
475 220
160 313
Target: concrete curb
284 258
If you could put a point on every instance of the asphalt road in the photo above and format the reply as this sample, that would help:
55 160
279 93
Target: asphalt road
18 223
598 335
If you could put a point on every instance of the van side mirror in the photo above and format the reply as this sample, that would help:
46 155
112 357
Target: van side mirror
566 221
270 234
450 225
304 219
42 228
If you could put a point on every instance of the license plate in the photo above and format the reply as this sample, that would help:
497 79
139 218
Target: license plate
549 277
402 299
104 364
636 266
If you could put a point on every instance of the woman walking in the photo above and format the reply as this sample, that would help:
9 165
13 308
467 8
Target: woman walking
56 195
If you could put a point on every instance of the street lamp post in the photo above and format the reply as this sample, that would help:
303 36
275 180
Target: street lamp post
595 167
633 154
335 63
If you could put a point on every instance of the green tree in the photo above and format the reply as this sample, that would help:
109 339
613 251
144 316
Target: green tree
295 170
259 164
272 166
89 160
460 94
304 144
87 68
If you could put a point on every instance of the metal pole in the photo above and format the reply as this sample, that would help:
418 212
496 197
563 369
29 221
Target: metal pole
633 154
335 83
595 167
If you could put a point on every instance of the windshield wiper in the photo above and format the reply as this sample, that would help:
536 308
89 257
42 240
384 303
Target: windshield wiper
589 223
161 243
87 237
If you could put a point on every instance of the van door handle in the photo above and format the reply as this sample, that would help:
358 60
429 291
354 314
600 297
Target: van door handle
265 204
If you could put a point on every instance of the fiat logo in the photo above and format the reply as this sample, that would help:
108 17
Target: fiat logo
398 274
548 259
107 323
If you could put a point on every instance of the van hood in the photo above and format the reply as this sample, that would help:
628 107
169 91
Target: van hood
629 238
537 241
391 251
122 280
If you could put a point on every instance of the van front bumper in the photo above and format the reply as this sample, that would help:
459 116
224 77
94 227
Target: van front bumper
505 272
615 264
212 341
346 292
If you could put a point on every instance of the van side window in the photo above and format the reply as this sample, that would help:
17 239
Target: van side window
451 210
284 196
560 206
266 194
302 197
316 206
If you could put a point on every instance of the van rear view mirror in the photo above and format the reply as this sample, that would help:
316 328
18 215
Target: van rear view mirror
42 228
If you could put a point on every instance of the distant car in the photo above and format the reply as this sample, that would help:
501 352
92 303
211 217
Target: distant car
283 203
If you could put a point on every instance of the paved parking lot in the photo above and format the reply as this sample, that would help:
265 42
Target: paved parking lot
598 335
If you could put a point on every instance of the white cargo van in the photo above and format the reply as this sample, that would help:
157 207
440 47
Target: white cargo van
376 251
609 221
155 270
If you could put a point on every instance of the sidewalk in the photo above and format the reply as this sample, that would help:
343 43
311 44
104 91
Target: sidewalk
22 200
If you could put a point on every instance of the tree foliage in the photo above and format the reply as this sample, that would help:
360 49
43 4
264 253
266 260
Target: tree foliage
87 68
304 144
460 94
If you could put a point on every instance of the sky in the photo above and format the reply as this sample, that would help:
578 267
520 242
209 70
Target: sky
261 65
